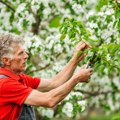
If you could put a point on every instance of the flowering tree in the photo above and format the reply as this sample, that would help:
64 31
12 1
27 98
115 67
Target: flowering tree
52 28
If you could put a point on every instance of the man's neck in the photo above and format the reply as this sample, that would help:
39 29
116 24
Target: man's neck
13 71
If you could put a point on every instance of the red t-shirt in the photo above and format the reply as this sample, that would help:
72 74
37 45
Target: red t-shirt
13 92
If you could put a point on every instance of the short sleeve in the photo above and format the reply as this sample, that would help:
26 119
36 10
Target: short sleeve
13 91
32 82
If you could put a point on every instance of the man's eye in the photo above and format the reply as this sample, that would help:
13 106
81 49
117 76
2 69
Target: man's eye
20 53
27 52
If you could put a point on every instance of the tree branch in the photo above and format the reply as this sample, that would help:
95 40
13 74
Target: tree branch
30 10
35 26
46 66
32 71
6 4
91 61
94 94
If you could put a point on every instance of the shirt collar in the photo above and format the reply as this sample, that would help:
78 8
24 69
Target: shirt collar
9 73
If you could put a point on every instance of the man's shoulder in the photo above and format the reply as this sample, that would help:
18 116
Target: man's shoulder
6 81
25 76
30 81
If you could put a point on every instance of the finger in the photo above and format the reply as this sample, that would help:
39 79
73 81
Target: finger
87 45
82 46
81 42
88 80
90 70
91 73
83 67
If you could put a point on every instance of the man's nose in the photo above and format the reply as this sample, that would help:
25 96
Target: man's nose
26 55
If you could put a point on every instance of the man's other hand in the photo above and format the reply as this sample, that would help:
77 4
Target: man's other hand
83 74
78 51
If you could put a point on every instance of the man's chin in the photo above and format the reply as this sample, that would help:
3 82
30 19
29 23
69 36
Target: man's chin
24 68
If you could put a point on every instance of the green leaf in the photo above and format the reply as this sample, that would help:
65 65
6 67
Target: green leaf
101 3
115 24
79 53
117 14
62 36
116 117
55 22
106 107
11 18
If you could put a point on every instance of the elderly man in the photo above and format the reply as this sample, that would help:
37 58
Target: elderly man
18 91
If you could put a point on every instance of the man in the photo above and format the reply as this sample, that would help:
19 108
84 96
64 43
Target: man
19 91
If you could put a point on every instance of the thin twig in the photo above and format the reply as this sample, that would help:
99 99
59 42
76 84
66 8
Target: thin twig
93 94
29 72
42 68
7 5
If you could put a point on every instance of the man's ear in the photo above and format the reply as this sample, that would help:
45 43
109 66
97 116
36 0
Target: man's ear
6 61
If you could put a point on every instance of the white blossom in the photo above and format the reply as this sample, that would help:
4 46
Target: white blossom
100 13
78 8
106 34
108 57
58 48
118 1
47 112
109 12
67 109
21 7
82 104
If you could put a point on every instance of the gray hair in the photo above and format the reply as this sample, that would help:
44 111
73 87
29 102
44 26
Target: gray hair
6 42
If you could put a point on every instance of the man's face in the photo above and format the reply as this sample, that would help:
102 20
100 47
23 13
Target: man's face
18 61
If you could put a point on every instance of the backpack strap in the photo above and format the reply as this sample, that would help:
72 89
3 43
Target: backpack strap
3 76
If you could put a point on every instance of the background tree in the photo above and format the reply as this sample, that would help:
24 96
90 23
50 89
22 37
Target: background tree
52 28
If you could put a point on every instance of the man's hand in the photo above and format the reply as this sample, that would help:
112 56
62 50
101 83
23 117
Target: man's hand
83 74
78 52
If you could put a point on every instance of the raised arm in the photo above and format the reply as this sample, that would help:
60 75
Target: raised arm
51 98
67 72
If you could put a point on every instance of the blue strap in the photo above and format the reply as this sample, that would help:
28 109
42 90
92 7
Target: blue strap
3 76
27 113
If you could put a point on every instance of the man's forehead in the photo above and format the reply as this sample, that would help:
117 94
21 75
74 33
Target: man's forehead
18 47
